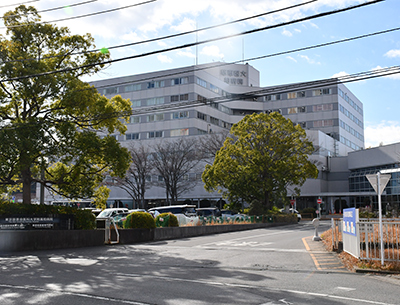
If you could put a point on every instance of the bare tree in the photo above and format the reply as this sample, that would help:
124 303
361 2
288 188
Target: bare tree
134 182
211 143
173 161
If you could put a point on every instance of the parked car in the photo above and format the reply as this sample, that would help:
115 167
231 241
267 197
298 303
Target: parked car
228 214
208 212
120 218
290 211
106 213
186 214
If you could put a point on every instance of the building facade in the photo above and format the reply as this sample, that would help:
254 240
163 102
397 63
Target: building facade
200 100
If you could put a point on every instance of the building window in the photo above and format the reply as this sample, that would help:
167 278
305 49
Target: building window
214 121
184 97
201 116
155 134
132 136
201 82
134 87
323 123
136 104
292 110
155 117
179 132
112 90
214 88
174 98
155 101
291 95
134 120
179 81
201 99
322 107
180 115
273 97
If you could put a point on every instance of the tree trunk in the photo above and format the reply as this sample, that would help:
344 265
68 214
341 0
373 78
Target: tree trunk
26 186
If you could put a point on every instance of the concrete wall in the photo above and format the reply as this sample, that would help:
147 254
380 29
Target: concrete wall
14 241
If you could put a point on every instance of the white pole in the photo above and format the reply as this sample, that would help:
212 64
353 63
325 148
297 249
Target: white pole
378 182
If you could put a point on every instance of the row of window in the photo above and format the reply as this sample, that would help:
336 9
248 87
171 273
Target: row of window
303 109
351 130
213 120
159 117
349 143
161 84
161 134
350 116
297 94
186 177
350 101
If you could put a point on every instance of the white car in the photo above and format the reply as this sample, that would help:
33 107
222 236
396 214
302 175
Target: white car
107 213
290 211
186 214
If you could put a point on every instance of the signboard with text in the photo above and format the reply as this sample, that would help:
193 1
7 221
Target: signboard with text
349 221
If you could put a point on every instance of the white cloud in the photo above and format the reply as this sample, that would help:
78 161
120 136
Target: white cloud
212 51
185 26
287 33
340 74
186 53
309 60
393 53
291 58
386 132
164 58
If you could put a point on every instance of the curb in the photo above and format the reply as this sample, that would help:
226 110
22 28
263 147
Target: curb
363 270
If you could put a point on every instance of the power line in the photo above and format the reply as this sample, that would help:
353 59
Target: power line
8 5
197 43
173 35
54 9
82 16
260 57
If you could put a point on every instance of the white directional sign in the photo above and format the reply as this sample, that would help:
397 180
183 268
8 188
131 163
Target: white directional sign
373 179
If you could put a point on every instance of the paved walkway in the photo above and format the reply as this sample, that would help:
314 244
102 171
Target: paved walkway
323 259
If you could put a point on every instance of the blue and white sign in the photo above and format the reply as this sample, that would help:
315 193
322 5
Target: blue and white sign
349 221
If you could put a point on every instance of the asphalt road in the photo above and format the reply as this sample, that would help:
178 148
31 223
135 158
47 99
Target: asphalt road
264 266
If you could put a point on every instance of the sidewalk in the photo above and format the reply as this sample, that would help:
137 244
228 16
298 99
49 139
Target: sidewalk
323 259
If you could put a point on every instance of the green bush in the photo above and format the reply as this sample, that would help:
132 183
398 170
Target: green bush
83 219
309 211
167 220
139 220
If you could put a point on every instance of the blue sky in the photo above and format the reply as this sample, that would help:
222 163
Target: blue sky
380 96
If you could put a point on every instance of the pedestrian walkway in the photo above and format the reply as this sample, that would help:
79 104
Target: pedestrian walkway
323 259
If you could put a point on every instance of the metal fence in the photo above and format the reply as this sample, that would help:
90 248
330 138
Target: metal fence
370 242
369 238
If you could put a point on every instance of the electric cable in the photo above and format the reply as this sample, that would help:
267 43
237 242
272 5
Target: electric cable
195 43
172 35
85 15
55 8
8 5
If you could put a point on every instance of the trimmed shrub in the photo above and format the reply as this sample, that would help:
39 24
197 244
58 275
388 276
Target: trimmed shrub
83 219
309 211
139 220
167 220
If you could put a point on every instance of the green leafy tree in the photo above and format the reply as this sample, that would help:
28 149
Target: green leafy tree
49 121
264 154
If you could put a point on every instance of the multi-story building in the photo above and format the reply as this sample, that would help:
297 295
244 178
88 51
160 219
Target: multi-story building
199 100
